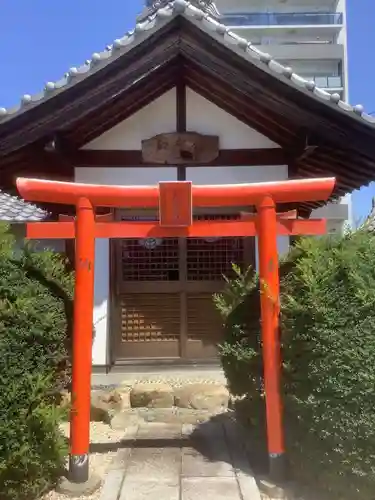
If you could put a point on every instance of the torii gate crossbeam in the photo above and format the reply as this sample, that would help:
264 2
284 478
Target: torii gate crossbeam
175 201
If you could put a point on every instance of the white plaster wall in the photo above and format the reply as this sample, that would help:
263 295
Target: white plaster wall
206 118
158 117
129 176
100 348
113 176
236 175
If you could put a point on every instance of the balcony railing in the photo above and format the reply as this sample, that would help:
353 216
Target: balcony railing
326 82
284 41
282 19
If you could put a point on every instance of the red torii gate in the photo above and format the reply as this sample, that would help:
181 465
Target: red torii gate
175 201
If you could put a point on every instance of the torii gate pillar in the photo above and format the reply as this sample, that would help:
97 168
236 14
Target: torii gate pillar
82 340
270 309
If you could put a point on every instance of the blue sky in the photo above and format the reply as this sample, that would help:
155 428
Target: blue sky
41 39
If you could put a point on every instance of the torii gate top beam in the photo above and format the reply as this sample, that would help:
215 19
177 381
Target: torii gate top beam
291 191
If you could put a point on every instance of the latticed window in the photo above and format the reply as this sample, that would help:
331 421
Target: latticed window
149 317
150 259
210 259
204 259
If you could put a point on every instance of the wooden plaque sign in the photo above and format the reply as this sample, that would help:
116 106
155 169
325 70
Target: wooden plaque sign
180 148
175 204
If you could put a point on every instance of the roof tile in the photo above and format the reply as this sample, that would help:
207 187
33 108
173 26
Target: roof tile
15 210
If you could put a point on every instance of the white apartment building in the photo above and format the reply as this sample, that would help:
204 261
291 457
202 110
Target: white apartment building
308 35
311 37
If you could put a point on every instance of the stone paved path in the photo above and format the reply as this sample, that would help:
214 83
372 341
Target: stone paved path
180 462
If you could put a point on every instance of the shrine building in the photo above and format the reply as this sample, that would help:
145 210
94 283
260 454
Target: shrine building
180 98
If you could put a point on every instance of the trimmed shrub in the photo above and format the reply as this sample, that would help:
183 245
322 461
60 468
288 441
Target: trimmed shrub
328 342
35 314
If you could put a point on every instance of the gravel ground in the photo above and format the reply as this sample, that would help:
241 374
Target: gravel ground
99 462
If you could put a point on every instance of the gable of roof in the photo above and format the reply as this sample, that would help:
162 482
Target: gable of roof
151 24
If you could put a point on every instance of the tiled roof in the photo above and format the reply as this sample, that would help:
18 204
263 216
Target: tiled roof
148 25
13 210
208 6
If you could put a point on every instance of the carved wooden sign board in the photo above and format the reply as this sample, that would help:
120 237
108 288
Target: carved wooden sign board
180 149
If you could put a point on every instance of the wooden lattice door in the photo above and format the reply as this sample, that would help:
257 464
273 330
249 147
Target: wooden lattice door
164 294
207 262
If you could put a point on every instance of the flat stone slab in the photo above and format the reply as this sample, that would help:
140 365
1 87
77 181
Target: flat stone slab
182 462
150 490
112 485
210 488
134 416
194 464
154 464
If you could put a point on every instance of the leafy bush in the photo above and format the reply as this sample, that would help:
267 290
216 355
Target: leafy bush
35 313
328 342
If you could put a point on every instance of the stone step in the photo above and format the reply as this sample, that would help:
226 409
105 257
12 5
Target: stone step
139 416
157 401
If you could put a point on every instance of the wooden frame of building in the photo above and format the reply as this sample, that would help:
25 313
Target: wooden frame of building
179 72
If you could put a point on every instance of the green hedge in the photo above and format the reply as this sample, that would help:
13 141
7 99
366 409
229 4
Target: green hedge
328 342
35 314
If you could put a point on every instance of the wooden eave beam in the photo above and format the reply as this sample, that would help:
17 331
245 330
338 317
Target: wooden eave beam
133 158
